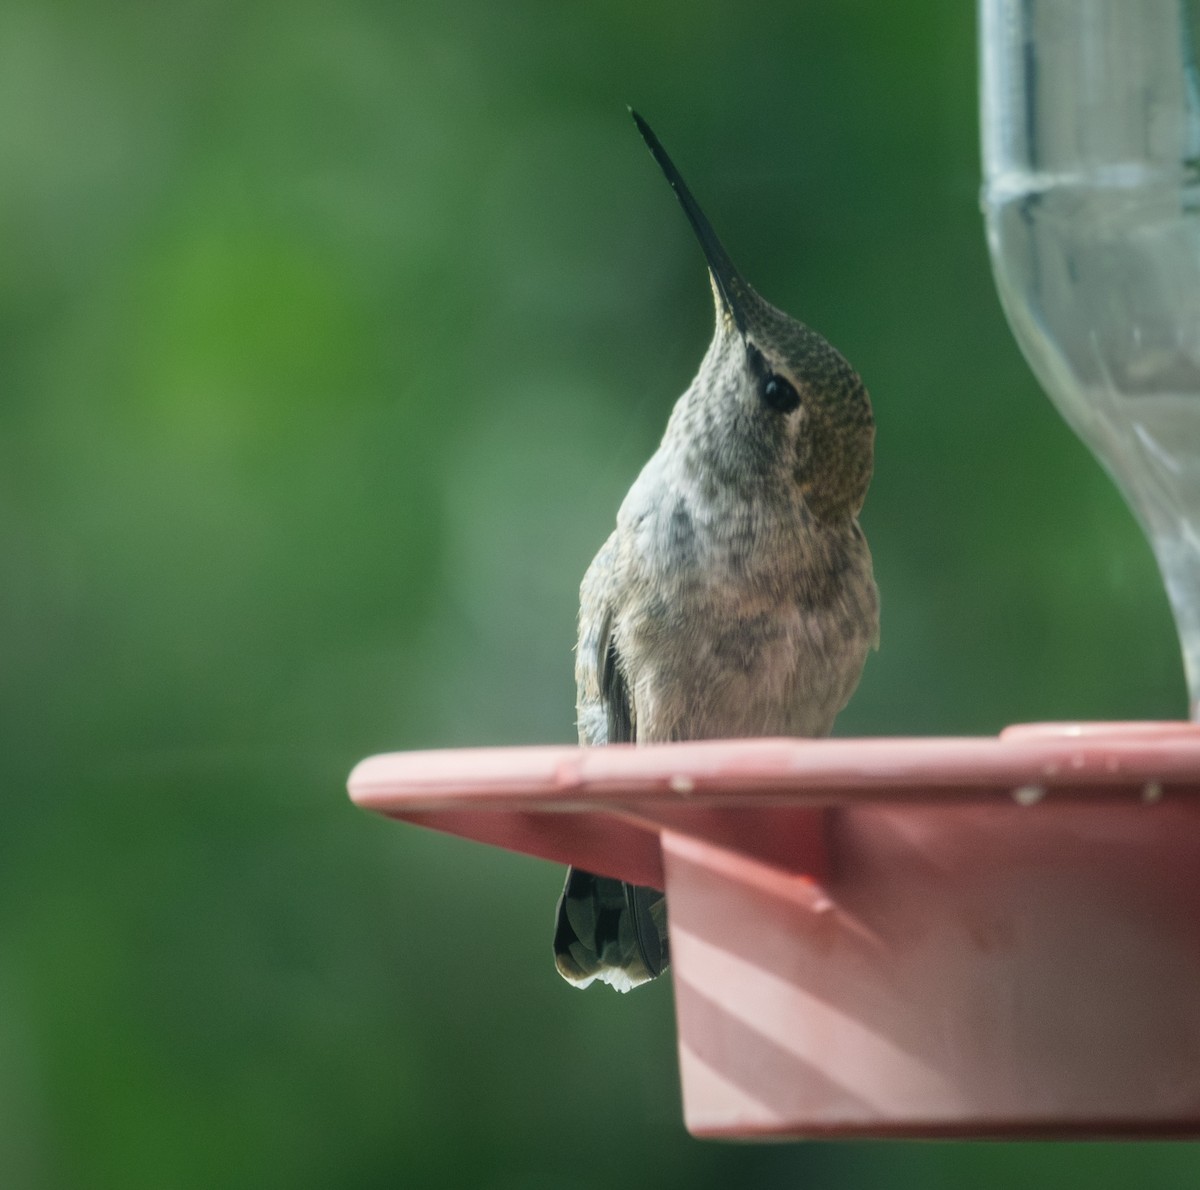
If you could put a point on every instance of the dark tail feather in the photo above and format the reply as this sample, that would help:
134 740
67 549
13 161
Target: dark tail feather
611 931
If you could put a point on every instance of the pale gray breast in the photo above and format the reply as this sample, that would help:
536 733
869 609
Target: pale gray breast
747 620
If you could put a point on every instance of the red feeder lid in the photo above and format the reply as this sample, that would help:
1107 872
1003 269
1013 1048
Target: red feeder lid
934 937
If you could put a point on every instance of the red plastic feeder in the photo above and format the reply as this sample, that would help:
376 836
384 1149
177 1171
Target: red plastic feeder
887 937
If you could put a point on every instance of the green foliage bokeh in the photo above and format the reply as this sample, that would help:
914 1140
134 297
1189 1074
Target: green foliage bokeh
330 337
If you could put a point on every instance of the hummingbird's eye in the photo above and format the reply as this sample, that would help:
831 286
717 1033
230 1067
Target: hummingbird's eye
779 394
776 392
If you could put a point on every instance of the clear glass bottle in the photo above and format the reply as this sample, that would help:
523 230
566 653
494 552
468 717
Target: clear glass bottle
1091 154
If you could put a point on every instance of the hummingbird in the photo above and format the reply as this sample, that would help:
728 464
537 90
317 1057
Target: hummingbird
736 596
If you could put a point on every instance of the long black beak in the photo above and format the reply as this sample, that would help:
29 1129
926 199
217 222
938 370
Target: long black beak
725 277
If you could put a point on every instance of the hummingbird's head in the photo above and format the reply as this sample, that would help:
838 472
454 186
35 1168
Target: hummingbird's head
800 407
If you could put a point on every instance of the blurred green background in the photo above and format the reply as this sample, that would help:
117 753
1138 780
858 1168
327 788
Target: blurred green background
331 335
